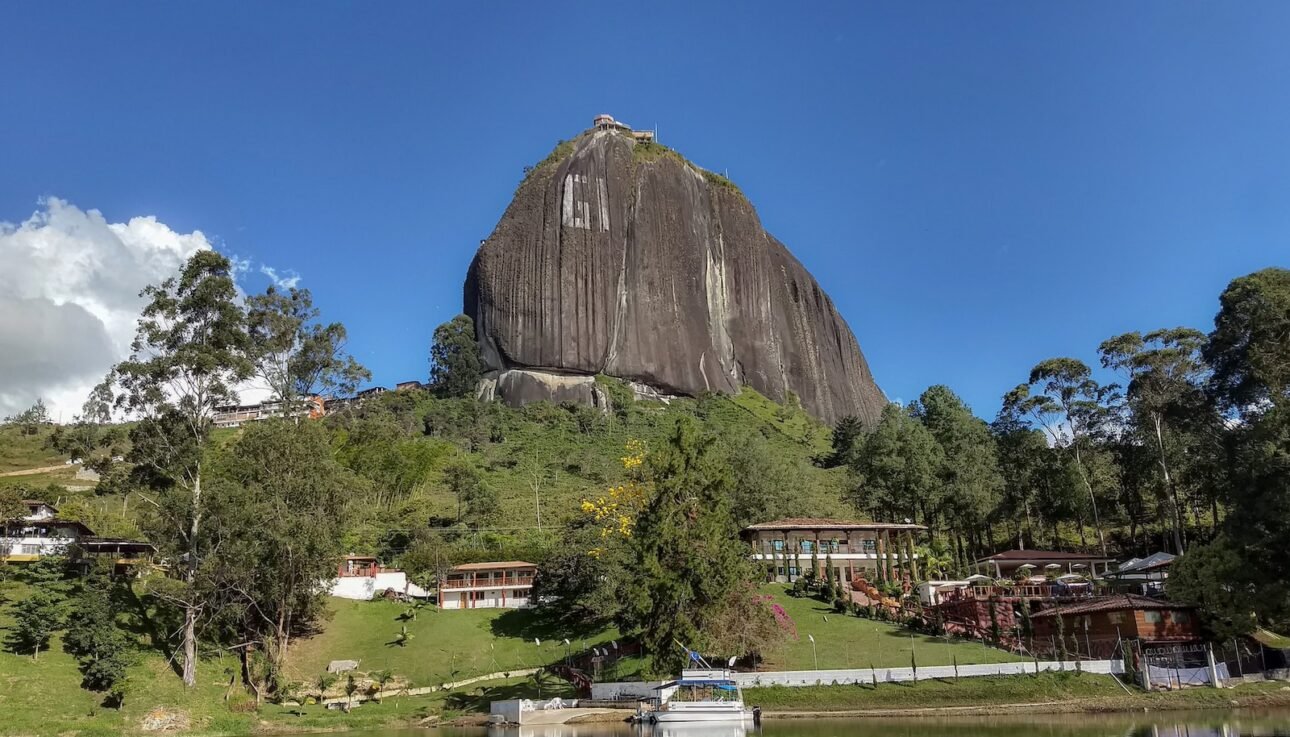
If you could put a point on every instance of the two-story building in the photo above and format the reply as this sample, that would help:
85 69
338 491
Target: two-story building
869 550
38 533
507 584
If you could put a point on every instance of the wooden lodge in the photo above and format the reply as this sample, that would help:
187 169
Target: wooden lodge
1123 616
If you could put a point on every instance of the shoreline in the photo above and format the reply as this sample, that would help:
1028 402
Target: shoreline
1266 695
1225 699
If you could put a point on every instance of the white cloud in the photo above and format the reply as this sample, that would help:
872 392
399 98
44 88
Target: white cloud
283 282
69 298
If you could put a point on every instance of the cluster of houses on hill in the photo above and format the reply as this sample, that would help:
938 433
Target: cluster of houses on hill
236 415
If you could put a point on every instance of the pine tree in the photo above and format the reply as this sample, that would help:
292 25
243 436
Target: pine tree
685 548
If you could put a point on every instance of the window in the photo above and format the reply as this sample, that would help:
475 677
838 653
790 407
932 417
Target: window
1179 617
778 545
1152 617
806 546
31 550
792 570
779 570
1115 617
519 593
869 546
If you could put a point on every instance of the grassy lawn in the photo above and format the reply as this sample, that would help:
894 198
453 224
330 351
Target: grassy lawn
44 696
1085 691
968 691
843 641
446 646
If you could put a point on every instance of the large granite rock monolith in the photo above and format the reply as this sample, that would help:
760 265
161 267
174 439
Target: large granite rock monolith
622 258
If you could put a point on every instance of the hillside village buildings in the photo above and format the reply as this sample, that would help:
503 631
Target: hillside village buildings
236 415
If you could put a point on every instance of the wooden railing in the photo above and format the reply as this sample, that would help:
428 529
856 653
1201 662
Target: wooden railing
482 581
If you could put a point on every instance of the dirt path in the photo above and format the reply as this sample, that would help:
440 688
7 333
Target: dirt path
34 471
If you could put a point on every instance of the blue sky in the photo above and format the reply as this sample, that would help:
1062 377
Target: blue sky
979 186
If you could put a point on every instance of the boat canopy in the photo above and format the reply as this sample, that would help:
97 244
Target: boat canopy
724 685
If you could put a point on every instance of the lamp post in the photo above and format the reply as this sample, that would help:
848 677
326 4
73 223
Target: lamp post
814 656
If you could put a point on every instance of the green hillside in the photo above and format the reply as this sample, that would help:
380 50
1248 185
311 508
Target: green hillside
540 456
20 451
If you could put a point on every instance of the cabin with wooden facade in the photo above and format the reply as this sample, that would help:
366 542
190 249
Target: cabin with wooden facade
1122 616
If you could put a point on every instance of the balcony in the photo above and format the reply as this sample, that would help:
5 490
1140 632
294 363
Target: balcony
823 550
486 582
1027 591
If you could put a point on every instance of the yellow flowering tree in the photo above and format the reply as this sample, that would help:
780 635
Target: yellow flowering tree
614 513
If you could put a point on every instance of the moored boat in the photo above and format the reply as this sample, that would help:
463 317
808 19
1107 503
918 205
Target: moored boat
702 696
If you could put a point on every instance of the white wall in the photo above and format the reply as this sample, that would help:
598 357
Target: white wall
366 587
492 599
798 678
898 675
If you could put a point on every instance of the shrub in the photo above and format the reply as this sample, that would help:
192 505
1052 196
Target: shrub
242 703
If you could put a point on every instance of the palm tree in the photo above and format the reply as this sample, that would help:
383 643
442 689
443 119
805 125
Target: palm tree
323 682
404 637
381 679
351 688
542 677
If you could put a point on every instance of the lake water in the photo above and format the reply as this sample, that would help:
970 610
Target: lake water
1157 724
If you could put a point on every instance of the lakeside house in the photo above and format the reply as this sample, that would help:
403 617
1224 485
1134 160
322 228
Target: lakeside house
492 585
1107 620
362 577
1009 563
858 550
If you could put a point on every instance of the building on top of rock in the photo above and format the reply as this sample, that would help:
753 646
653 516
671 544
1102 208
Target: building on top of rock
604 121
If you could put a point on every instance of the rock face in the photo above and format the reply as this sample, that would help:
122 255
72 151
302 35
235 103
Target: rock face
623 259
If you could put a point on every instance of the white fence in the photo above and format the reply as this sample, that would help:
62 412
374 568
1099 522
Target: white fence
364 588
901 675
1166 677
797 678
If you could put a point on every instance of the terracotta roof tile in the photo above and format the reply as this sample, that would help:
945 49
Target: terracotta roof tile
1118 602
823 523
1052 555
492 566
